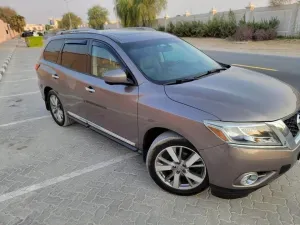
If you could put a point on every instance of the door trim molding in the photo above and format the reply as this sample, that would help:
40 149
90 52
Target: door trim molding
101 128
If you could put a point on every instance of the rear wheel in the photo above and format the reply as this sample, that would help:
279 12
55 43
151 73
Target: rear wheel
57 110
176 166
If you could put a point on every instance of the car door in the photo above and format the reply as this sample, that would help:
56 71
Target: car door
49 67
74 58
112 109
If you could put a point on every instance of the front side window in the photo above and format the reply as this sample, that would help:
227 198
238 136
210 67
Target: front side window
169 59
103 59
74 56
52 50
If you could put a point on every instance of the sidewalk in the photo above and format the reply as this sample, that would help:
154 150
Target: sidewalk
6 48
285 47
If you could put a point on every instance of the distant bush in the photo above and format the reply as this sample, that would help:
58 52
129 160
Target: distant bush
40 34
221 27
243 33
263 30
161 28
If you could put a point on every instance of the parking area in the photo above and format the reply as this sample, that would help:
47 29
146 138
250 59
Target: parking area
52 175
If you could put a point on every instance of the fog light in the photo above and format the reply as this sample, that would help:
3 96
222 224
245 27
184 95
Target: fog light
249 178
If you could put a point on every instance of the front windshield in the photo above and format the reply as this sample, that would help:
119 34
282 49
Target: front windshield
168 59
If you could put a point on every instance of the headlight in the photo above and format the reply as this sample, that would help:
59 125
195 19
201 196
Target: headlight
244 134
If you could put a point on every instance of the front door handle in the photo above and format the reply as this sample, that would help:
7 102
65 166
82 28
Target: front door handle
90 89
55 76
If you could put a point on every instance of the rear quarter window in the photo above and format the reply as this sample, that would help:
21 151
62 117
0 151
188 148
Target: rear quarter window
52 50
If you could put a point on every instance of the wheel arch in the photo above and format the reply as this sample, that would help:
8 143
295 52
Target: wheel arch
151 134
47 89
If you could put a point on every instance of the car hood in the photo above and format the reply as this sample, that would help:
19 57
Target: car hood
238 95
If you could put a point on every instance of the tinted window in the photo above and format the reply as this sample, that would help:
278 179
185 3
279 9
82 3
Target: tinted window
52 50
103 59
74 56
168 59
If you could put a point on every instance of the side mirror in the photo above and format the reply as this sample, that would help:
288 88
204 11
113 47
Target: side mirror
117 76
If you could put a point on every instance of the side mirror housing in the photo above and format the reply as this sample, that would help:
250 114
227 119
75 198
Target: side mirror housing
117 76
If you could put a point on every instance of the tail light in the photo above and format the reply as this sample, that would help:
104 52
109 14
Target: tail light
37 66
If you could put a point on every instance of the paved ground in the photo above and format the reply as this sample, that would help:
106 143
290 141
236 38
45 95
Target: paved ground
286 69
6 49
284 47
110 184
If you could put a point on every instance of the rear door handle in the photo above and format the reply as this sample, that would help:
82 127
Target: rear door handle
90 89
55 76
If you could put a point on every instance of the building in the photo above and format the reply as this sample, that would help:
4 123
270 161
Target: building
34 27
54 22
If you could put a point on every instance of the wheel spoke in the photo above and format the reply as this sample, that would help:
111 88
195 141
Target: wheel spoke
170 176
189 180
163 168
53 101
165 161
197 166
56 115
59 114
194 158
171 152
193 177
180 154
176 181
56 101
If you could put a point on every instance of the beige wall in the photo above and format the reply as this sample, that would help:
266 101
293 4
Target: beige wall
5 33
289 16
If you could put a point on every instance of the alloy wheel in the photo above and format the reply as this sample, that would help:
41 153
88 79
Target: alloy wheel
180 167
56 108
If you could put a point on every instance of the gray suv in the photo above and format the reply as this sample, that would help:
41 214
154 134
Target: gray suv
198 122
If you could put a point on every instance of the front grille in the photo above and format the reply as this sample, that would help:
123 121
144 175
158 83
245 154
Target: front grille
291 123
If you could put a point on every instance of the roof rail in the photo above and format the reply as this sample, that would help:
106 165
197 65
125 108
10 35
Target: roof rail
138 28
74 31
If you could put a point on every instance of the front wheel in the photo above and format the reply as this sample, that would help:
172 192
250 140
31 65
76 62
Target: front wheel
176 166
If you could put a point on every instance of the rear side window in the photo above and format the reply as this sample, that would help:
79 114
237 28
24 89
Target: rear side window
74 56
52 50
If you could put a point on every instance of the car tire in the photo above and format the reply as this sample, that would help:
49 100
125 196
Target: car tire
62 119
160 149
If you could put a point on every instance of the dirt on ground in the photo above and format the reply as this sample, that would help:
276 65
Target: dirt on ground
284 47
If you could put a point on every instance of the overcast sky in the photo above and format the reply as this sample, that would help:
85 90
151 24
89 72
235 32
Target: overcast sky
38 11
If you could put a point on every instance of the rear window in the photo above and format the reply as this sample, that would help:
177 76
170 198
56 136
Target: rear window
52 50
74 56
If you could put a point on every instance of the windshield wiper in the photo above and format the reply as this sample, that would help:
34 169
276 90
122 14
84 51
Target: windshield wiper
215 71
184 80
180 81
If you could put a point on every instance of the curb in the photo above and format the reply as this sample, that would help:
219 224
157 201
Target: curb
6 62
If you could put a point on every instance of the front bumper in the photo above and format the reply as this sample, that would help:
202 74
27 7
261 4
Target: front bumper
226 163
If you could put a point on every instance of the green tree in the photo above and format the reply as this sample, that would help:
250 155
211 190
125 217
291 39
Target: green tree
124 10
97 17
139 12
65 21
17 23
6 13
